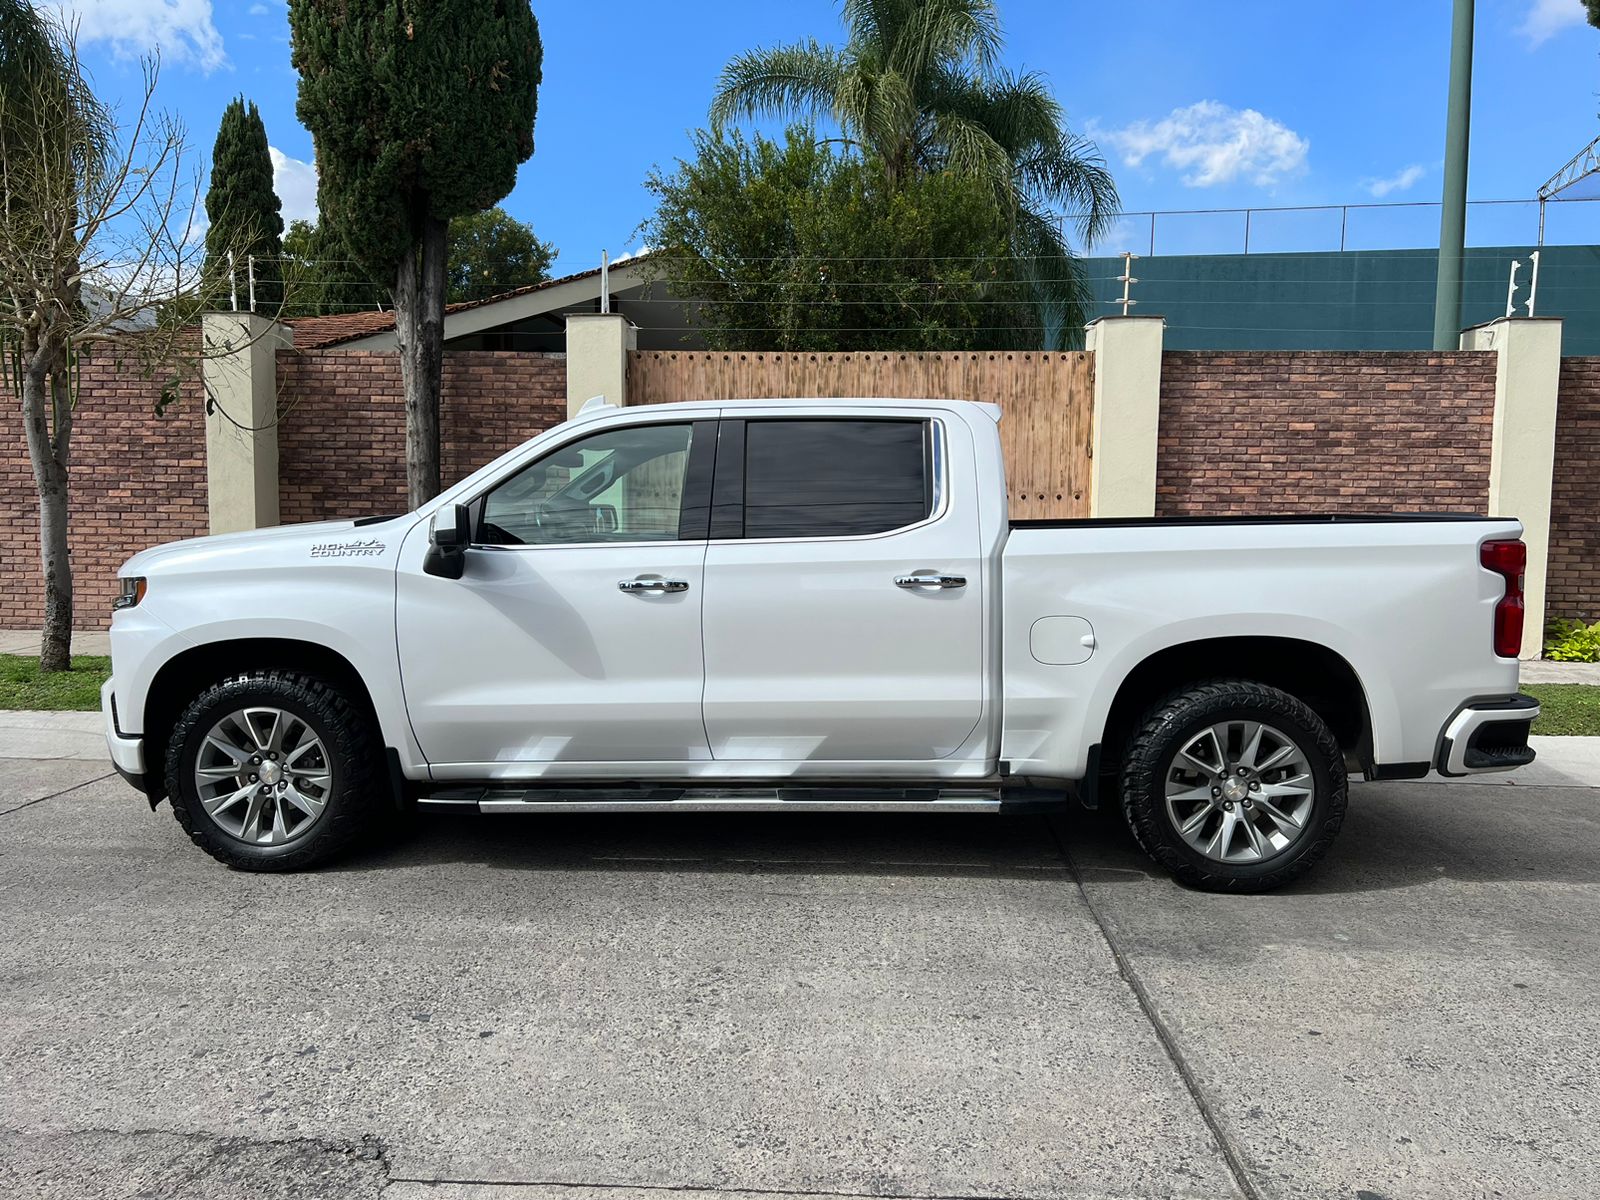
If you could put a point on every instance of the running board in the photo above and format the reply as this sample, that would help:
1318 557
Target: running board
717 799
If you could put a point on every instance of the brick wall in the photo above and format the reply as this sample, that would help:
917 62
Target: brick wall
135 480
1311 431
341 442
1573 585
1240 433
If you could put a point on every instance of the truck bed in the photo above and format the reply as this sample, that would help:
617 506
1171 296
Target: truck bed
1400 598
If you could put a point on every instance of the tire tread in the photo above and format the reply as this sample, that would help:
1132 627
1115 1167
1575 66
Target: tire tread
1142 773
353 809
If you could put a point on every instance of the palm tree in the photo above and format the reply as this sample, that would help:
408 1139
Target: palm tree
917 84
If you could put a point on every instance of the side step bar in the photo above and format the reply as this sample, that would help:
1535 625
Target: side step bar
717 799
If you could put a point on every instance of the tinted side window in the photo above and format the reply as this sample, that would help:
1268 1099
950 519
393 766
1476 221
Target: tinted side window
829 478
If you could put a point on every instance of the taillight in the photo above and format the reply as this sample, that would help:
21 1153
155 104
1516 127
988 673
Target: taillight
1507 559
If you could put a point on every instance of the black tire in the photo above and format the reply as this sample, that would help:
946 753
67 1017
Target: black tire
1171 725
354 797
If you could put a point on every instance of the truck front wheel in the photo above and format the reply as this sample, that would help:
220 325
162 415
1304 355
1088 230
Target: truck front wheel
272 771
1234 786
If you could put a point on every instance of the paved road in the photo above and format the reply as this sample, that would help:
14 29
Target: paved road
598 1008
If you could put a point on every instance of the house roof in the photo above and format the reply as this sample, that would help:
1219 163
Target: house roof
319 333
315 333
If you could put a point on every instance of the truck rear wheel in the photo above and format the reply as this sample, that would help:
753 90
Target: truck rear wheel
272 771
1234 786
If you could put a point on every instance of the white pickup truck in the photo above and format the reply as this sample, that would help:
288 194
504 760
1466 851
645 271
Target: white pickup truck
815 606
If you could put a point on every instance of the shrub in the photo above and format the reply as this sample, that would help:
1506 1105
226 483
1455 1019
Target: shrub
1572 641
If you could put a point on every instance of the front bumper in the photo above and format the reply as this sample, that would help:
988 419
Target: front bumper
127 752
1488 735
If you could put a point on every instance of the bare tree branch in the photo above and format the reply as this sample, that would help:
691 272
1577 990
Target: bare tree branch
97 245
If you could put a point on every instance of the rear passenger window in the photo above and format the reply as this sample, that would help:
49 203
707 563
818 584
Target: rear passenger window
828 478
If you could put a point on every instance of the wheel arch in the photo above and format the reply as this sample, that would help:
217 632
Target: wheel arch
1320 677
186 674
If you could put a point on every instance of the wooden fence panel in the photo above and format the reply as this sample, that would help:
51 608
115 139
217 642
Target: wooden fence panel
1046 398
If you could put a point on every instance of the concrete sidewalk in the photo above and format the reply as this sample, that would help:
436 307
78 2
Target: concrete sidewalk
26 641
1560 672
79 736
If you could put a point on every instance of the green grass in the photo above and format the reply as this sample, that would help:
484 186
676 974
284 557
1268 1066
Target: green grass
1569 709
77 690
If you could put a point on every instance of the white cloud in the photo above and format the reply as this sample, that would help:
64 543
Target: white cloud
643 249
296 185
1397 182
1214 144
1546 18
259 10
180 30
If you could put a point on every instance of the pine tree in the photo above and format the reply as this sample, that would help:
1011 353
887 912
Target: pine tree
420 113
244 210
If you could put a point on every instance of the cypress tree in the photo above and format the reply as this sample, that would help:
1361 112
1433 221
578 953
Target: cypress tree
420 113
245 213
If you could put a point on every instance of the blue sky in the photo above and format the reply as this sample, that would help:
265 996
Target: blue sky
1223 104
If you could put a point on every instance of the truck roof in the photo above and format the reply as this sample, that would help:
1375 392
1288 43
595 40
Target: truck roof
593 409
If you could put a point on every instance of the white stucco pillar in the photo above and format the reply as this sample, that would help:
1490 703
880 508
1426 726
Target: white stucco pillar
240 372
597 358
1523 451
1127 415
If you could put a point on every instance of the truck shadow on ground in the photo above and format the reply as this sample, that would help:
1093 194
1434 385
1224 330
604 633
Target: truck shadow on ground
1398 836
864 844
1394 836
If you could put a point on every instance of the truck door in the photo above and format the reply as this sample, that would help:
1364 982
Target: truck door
574 635
843 615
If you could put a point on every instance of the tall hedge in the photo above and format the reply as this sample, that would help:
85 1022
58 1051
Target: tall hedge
245 213
421 111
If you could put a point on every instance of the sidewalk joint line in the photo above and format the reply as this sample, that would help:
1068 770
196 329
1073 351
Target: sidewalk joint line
724 1189
5 812
1169 1043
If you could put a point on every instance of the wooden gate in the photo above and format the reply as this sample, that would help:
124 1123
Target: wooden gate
1046 399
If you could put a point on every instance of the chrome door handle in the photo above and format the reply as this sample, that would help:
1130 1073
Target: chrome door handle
930 581
643 586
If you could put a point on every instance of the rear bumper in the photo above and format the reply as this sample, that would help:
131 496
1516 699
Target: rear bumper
1487 735
127 752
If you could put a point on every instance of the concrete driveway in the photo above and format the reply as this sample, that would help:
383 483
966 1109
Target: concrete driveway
929 1006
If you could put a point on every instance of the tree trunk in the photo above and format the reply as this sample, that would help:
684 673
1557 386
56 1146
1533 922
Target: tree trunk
47 448
419 329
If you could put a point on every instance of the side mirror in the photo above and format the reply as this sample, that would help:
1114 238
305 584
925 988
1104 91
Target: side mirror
448 538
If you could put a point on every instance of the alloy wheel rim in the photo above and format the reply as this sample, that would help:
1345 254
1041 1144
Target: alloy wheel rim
1240 791
263 776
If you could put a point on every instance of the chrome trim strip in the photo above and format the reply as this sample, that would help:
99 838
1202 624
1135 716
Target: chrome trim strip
708 804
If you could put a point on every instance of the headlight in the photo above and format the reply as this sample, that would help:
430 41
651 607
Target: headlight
132 592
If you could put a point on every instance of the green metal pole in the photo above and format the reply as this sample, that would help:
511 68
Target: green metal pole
1453 218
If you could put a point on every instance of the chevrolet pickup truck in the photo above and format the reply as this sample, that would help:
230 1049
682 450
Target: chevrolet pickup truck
809 606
